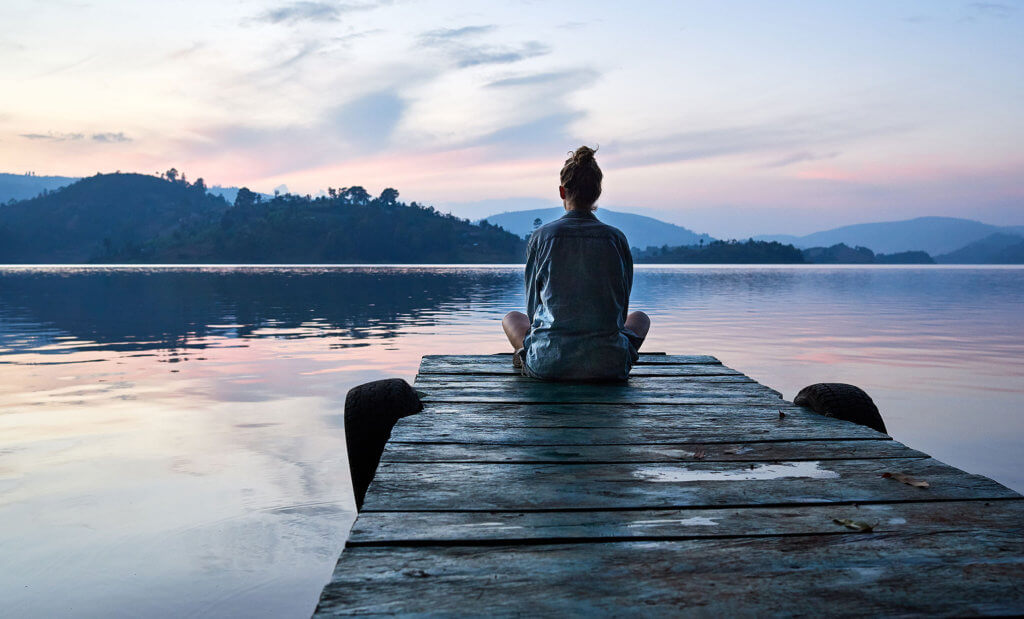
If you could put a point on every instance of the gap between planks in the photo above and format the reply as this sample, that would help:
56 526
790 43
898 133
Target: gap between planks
683 507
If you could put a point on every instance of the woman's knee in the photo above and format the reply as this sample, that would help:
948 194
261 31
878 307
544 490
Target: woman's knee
513 319
639 323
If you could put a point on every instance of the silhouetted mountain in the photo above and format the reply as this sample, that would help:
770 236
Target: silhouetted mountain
641 231
934 235
721 252
905 257
839 254
844 254
100 215
993 249
136 218
24 186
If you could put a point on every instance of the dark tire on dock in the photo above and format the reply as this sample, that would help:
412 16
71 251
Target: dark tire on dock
371 411
841 401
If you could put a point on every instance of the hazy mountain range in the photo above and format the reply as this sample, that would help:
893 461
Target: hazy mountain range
935 235
641 231
993 249
25 186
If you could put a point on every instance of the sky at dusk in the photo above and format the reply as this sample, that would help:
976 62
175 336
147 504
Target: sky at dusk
732 118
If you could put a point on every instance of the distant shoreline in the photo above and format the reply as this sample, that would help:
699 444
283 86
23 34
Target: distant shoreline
653 266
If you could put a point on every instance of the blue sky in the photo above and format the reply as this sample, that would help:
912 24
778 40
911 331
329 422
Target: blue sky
733 118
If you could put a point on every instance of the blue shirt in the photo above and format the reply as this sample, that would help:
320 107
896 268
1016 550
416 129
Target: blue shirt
579 273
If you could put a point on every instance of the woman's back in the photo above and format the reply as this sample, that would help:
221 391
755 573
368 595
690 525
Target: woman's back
579 273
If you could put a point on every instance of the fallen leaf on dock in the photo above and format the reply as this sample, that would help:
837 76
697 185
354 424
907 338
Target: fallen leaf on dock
907 479
782 415
699 453
856 525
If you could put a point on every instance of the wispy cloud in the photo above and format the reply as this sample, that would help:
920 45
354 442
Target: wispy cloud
68 66
185 52
303 11
111 137
456 43
799 158
542 134
443 35
307 48
347 39
579 77
992 9
53 137
316 11
985 10
794 134
473 56
56 136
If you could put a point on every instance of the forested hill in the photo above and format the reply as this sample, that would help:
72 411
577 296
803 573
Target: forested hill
134 218
98 214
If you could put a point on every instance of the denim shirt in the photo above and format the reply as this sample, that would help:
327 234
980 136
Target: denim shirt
579 273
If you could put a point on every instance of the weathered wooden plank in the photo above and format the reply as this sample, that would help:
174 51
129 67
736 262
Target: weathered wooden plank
966 573
600 424
504 358
644 390
691 452
579 412
504 368
635 386
450 527
520 487
458 380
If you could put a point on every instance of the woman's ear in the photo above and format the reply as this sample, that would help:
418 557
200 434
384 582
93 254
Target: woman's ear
561 191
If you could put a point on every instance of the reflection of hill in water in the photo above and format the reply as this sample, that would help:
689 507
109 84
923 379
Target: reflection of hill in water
147 309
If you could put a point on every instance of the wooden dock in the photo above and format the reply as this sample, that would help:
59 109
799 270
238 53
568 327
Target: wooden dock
691 489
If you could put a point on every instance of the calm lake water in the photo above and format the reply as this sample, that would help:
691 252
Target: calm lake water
171 440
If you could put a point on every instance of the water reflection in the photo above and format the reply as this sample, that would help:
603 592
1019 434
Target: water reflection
171 439
52 311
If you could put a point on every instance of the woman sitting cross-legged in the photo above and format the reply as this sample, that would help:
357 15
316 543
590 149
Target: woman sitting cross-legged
579 273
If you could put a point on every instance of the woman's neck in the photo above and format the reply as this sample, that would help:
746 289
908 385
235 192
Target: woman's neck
571 206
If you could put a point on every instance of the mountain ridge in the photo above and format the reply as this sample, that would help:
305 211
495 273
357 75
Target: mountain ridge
641 231
138 218
934 235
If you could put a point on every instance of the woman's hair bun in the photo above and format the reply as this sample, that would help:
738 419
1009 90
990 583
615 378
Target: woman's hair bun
581 177
583 154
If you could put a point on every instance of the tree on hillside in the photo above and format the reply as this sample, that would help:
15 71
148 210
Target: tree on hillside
246 198
357 195
389 197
